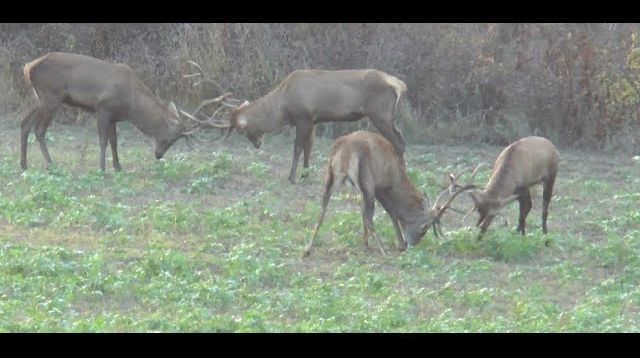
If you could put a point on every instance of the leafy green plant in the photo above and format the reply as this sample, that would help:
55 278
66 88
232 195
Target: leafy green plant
206 241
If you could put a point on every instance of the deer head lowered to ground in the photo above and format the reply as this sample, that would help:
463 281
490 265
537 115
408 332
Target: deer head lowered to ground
111 90
524 163
308 97
369 161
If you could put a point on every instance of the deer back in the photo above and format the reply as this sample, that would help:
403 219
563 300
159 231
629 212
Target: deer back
522 164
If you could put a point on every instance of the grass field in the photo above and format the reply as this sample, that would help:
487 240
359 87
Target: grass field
210 240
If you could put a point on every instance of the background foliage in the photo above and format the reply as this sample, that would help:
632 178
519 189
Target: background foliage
577 84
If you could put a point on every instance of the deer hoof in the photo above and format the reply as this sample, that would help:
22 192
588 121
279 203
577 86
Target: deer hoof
306 253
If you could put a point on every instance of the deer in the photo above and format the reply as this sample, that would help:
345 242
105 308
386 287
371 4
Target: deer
521 165
305 98
368 161
112 91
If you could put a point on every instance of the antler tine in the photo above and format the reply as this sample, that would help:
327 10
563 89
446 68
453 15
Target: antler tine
188 115
219 100
210 101
462 172
454 178
213 115
224 125
459 191
205 78
200 72
475 171
451 208
210 123
193 130
216 124
435 203
194 63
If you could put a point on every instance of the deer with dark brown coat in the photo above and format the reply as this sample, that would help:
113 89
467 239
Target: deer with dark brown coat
369 162
111 90
524 163
308 97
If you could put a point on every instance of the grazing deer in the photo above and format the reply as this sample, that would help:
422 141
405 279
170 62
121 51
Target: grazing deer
369 161
111 90
524 163
308 97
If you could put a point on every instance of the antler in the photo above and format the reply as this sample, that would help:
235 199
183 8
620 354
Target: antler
455 185
224 101
204 79
209 123
232 102
441 208
438 209
454 178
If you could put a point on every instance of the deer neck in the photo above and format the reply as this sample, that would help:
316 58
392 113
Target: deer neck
408 203
267 114
149 114
501 184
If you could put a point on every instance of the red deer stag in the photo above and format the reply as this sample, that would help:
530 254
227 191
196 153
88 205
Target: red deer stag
524 163
369 161
111 90
308 97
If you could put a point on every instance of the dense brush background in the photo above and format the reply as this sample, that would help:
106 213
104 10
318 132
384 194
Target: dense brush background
577 84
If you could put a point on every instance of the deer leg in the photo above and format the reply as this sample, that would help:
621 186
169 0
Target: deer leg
104 121
525 206
546 198
41 129
365 233
306 146
301 133
113 141
326 195
367 187
25 127
368 208
386 204
388 129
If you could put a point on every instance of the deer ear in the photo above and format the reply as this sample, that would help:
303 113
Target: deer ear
172 107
